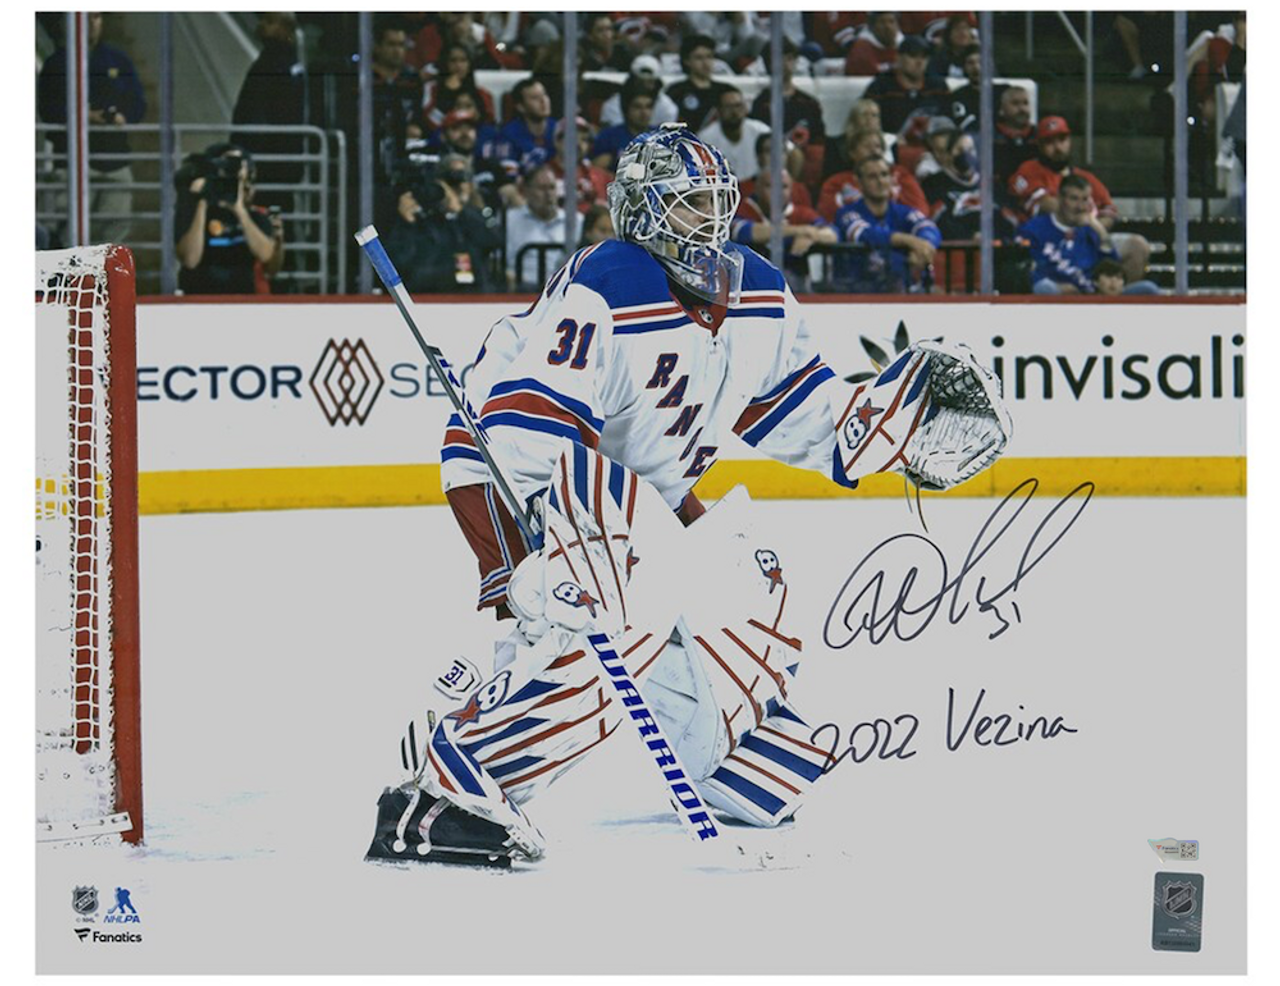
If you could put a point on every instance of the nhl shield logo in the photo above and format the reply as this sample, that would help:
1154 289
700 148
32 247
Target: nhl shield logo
1179 899
84 900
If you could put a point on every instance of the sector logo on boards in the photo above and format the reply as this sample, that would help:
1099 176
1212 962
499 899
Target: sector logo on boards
345 382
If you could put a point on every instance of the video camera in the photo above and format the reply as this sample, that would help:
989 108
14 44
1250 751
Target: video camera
219 165
421 171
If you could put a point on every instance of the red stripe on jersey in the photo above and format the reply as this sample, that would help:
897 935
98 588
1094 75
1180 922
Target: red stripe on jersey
757 411
541 406
471 510
458 436
655 312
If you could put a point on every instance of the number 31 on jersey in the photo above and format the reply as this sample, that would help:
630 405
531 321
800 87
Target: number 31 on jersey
569 332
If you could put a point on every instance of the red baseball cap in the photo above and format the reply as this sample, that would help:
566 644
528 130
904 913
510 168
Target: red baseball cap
1052 126
459 116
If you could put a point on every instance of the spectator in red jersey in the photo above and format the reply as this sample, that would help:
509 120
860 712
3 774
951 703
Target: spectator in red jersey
864 116
802 228
907 88
600 50
1034 187
833 31
1216 58
875 49
593 182
843 187
456 75
930 24
957 36
461 29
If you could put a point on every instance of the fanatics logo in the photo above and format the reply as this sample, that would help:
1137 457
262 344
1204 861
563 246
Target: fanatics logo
346 382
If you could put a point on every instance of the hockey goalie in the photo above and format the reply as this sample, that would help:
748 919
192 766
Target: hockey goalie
602 405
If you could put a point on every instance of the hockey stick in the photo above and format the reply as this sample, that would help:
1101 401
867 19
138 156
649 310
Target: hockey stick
391 280
686 803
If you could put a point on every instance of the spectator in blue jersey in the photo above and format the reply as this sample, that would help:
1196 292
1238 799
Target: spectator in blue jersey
115 98
1068 243
529 138
900 241
637 116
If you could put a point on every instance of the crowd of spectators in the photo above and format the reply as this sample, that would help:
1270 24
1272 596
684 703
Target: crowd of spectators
471 187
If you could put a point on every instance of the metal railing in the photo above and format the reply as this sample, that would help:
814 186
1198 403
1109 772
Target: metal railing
315 226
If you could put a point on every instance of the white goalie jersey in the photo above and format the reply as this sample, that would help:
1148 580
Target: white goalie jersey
607 357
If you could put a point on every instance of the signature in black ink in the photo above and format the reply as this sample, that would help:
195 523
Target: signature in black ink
868 602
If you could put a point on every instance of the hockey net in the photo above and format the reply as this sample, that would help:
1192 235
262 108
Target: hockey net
88 722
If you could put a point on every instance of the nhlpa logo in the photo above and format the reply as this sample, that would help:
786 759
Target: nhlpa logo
486 699
346 381
1179 899
123 912
84 901
771 567
575 595
859 424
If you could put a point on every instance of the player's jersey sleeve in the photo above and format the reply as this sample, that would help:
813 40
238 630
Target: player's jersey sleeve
538 387
793 417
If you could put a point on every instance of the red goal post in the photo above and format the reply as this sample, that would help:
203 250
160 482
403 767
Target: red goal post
88 709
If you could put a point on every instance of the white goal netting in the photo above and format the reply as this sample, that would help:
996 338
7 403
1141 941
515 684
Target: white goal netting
78 778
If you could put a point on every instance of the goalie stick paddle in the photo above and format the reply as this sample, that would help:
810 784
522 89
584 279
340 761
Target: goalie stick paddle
391 280
688 806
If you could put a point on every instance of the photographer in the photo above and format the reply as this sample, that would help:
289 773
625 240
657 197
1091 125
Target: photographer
226 245
439 241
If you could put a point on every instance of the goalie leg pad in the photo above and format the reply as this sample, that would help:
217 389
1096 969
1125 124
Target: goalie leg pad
533 721
766 776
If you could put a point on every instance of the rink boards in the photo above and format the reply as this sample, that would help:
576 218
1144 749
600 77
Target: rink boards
249 405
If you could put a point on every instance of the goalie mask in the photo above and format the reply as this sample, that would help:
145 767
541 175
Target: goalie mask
675 195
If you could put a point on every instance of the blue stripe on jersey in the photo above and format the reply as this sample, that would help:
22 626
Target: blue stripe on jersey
791 378
450 452
532 690
515 729
616 477
497 592
837 471
918 384
580 476
892 373
455 764
512 766
775 417
455 421
784 758
625 329
756 313
514 419
752 792
575 407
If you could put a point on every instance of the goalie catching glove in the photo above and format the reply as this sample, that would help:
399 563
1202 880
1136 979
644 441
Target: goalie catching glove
936 416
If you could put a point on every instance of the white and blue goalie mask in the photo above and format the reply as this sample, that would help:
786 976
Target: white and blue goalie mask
675 195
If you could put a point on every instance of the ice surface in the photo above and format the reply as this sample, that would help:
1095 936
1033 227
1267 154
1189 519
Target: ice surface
284 652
